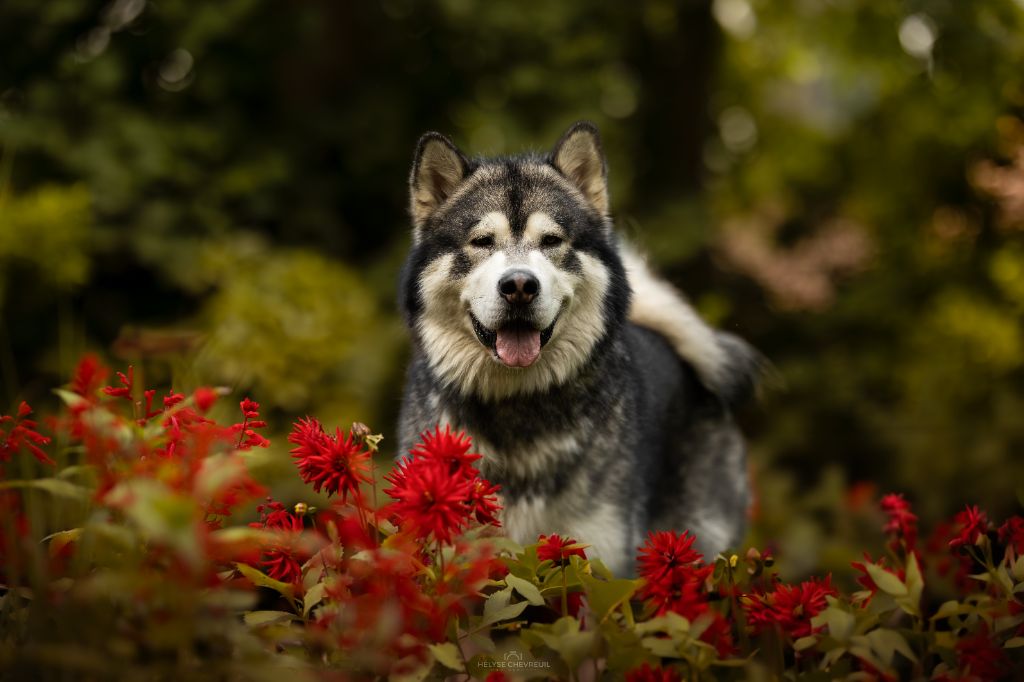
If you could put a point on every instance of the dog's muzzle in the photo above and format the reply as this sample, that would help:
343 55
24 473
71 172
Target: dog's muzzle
516 343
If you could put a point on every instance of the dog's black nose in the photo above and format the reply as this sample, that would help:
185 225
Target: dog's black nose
519 286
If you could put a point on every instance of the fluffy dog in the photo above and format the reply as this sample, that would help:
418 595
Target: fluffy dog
599 399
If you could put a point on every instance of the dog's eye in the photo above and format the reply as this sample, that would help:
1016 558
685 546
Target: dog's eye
551 240
484 242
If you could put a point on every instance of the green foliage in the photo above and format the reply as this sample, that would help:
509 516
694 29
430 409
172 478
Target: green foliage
48 229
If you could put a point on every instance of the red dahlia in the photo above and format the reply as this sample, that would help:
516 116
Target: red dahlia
429 499
555 548
483 502
664 554
337 463
790 607
448 447
280 560
681 592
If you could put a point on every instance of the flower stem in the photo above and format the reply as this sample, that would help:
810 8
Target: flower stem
241 433
565 593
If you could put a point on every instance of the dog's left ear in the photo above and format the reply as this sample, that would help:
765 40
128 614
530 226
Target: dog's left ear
579 158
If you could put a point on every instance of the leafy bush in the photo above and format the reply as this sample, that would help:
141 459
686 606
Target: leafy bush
130 559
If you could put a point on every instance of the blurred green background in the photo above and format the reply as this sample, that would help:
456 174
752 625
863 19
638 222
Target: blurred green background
216 193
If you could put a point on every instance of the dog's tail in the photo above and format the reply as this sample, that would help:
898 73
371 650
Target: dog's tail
727 365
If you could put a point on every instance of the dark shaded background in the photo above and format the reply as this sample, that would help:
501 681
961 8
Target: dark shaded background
215 192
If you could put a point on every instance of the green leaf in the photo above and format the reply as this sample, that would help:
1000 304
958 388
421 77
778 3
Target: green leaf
886 581
448 655
805 643
507 613
59 540
564 637
887 642
161 514
949 608
1014 643
661 647
840 623
525 588
54 486
1004 623
600 570
313 596
70 398
671 623
497 601
85 470
260 618
911 604
861 648
604 596
1003 577
261 579
624 649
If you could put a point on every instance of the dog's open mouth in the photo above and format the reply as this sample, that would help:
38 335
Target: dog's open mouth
516 344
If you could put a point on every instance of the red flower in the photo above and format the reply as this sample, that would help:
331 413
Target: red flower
719 635
88 377
125 390
429 499
250 408
22 434
681 592
1011 534
335 463
789 607
448 447
958 565
483 502
204 398
555 548
280 560
664 553
674 580
971 524
902 523
247 436
496 676
646 673
981 658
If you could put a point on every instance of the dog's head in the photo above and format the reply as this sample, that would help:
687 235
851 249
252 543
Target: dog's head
514 275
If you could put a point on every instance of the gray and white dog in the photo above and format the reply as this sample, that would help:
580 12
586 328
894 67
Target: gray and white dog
598 398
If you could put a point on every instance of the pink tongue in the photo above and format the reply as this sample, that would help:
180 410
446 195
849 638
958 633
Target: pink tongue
518 347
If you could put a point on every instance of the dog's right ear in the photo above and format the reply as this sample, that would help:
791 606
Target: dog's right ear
437 169
578 156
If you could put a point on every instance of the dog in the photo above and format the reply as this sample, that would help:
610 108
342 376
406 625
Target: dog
597 397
